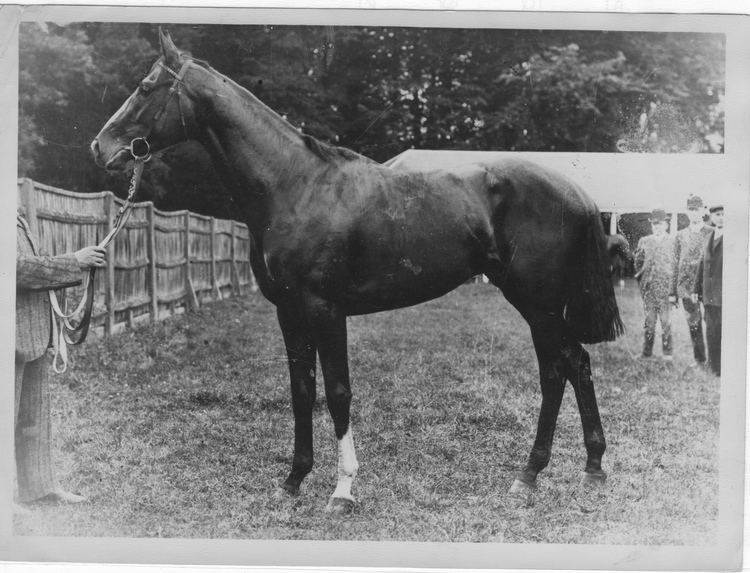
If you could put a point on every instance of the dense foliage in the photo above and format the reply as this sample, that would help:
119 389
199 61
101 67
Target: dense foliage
378 91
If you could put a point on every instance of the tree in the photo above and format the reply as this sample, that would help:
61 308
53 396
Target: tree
377 90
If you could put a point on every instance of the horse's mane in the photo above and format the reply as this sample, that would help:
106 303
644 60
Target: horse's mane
324 151
329 152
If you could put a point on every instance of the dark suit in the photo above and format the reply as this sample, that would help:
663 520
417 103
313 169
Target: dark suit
688 252
708 285
35 276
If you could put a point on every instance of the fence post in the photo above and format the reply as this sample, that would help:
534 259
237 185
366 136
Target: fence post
215 291
192 300
151 247
109 296
28 200
236 285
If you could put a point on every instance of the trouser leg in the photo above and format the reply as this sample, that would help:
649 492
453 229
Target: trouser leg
695 325
649 330
33 449
713 337
666 330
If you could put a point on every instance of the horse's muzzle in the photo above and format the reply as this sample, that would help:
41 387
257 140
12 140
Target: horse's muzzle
96 153
114 162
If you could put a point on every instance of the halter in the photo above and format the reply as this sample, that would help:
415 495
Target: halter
175 88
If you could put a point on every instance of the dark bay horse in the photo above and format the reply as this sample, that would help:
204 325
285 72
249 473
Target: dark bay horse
335 234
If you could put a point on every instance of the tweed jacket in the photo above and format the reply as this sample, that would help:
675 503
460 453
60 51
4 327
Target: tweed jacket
653 267
688 250
35 275
708 277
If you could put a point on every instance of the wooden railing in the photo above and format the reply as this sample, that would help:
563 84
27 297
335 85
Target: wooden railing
159 264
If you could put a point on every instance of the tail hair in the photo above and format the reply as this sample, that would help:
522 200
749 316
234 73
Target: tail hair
591 312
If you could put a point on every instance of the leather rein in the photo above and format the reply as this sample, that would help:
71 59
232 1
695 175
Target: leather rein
65 332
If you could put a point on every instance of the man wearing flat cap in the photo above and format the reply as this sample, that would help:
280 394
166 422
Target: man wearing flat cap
708 286
688 251
653 269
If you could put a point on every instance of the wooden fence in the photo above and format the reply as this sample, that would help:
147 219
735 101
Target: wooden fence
159 264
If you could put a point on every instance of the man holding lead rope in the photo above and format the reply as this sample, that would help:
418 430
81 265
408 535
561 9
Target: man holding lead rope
36 275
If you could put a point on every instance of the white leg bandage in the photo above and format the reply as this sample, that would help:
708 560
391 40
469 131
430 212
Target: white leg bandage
347 468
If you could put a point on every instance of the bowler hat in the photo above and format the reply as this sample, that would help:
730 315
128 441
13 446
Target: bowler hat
694 203
657 216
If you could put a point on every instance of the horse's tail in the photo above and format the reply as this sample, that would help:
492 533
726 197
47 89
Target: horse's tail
591 311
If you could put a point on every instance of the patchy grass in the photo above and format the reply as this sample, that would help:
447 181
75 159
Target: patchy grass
184 429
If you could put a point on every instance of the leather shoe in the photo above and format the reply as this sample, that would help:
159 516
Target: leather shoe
62 496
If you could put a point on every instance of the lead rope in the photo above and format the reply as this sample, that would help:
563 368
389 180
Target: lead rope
64 332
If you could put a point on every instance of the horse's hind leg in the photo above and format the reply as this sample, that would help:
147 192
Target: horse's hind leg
300 349
548 335
579 374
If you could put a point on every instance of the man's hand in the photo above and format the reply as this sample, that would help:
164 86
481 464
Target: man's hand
90 257
695 297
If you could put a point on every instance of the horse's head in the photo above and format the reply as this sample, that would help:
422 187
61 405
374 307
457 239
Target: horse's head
157 115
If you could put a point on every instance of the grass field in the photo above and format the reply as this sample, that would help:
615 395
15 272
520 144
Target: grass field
184 429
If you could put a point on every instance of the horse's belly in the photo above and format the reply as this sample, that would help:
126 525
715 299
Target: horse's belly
406 284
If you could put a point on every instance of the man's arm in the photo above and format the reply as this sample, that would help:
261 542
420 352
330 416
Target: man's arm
47 273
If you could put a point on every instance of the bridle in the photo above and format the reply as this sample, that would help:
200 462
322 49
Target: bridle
175 89
65 332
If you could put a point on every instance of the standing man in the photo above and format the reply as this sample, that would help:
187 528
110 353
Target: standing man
708 286
36 275
688 251
653 269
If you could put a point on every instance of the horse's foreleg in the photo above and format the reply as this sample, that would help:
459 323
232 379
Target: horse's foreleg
300 348
330 338
547 338
579 374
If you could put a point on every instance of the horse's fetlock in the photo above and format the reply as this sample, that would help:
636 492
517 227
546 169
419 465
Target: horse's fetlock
538 459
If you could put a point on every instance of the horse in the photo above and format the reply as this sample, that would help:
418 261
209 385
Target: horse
335 234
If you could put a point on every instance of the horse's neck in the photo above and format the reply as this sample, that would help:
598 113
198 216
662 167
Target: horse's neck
257 152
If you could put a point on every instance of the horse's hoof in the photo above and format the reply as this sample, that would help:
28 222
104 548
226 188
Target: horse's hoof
284 491
340 506
593 478
279 494
521 487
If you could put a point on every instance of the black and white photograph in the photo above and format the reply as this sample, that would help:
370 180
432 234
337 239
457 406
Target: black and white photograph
375 288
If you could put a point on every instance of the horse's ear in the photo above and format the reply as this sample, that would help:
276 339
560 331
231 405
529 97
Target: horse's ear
168 49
